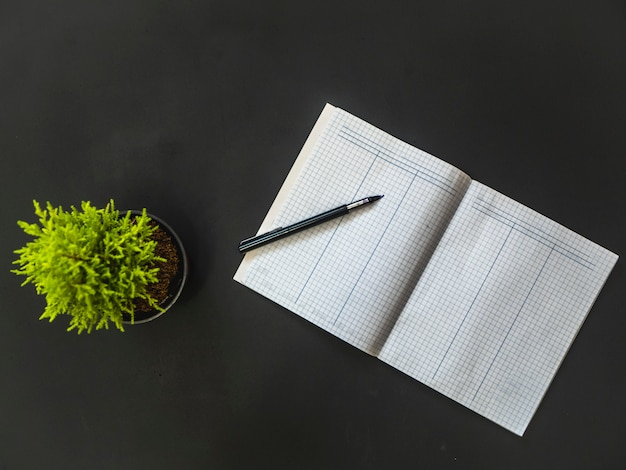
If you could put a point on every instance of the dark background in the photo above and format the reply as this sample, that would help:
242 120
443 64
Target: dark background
196 110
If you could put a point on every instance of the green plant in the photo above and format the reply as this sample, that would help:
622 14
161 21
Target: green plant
92 264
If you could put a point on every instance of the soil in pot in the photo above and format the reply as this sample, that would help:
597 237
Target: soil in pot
167 270
171 275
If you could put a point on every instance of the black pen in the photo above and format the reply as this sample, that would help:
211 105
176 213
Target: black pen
280 232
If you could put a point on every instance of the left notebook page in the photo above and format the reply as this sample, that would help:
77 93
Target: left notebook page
352 276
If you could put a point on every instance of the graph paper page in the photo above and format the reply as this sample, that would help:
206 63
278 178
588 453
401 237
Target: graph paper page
351 276
497 308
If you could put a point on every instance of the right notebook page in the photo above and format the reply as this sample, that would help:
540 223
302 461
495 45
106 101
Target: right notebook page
498 306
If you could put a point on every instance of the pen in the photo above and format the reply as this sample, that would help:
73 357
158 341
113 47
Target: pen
281 232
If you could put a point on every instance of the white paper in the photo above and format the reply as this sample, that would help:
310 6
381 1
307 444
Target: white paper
498 307
451 282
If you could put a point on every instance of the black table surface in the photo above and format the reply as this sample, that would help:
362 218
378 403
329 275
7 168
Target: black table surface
196 111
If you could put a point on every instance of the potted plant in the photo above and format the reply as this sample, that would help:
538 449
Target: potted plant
100 266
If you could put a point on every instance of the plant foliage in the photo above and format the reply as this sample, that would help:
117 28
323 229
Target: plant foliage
91 264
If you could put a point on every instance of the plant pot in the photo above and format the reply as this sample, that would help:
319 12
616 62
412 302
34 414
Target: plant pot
177 281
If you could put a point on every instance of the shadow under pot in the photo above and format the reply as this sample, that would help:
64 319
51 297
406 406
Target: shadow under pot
172 273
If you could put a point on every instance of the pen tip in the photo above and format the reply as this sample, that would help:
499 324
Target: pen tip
376 198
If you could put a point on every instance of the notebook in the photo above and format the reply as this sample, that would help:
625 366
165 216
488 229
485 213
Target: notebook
445 279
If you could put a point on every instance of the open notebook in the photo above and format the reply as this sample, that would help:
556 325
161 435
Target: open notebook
445 279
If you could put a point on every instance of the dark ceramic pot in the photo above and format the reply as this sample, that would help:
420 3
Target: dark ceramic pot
177 282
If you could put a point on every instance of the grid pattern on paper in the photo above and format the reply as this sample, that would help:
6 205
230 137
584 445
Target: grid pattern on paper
458 286
337 274
498 307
